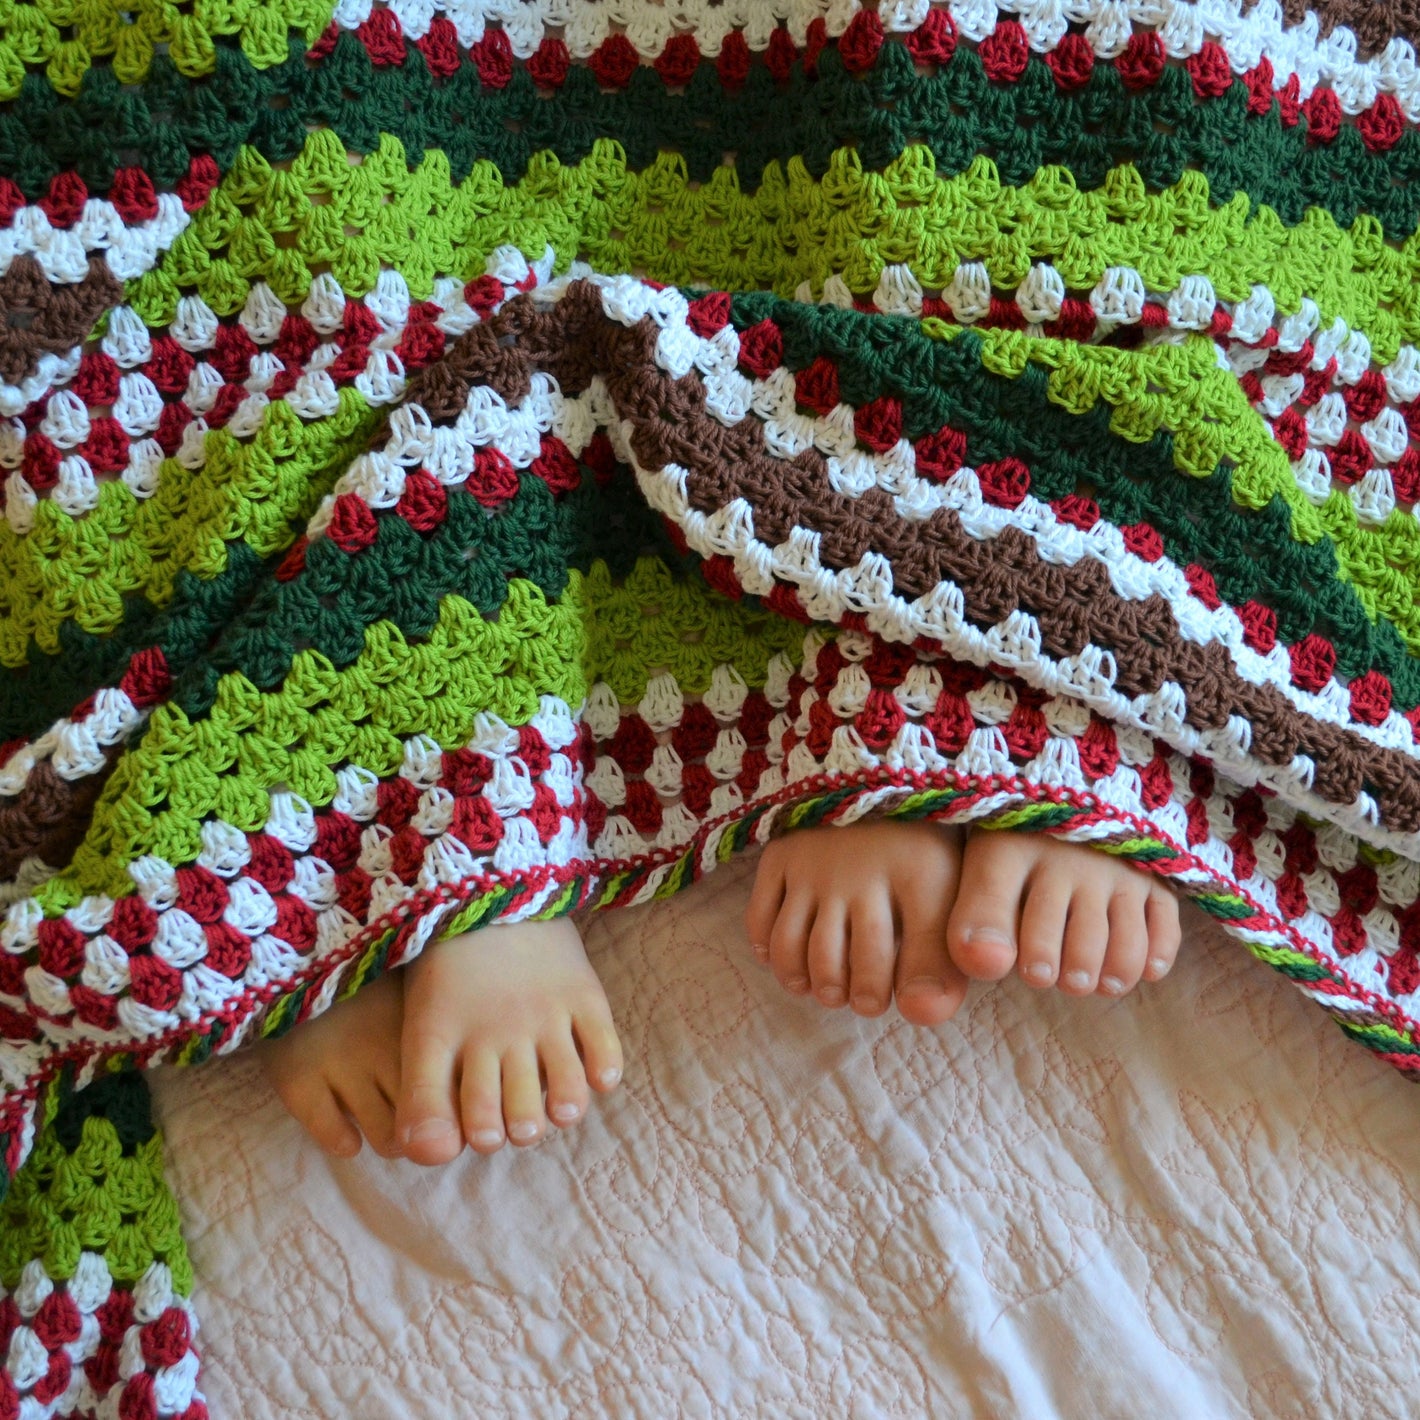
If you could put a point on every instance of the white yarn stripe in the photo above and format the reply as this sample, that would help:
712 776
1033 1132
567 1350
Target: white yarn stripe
729 532
1183 26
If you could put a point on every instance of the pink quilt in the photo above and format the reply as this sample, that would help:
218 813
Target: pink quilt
1200 1201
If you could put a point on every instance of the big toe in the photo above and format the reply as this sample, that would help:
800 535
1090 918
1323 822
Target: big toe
928 986
426 1123
982 930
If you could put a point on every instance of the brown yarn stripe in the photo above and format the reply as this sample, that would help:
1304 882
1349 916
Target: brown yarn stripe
48 818
1374 22
1074 606
38 318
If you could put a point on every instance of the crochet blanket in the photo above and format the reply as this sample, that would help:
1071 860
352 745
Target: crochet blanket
468 462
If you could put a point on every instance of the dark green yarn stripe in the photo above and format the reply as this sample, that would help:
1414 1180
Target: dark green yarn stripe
811 812
957 112
281 616
1300 968
32 698
925 804
1383 1038
1225 907
569 897
482 909
404 575
1140 850
1251 553
122 1099
1035 817
201 1047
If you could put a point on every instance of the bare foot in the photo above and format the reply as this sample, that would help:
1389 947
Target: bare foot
829 905
491 1019
339 1074
1059 914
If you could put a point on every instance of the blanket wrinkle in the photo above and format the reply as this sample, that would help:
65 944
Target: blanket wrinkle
462 466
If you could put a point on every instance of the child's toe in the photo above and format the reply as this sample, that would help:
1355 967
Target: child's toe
374 1114
928 986
982 930
1128 942
599 1043
523 1115
871 950
789 943
322 1116
1164 932
481 1101
827 957
765 899
1086 937
1043 917
566 1078
425 1124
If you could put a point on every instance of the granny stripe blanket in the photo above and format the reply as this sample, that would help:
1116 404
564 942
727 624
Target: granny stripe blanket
466 462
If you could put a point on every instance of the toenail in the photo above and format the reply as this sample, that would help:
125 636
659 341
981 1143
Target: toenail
1077 980
797 984
608 1078
761 952
487 1138
867 1004
1158 967
988 935
922 985
430 1131
832 995
564 1113
522 1130
1111 986
1040 971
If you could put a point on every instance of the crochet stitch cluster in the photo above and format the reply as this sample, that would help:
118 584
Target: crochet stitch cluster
468 461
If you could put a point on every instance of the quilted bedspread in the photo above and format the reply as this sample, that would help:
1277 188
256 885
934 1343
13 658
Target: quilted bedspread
474 460
1198 1202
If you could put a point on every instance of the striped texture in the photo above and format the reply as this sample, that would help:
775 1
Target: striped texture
463 463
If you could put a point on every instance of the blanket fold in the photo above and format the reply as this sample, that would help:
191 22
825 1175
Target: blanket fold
465 466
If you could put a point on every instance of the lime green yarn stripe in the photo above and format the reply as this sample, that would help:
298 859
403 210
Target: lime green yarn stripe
1182 391
81 568
225 763
1175 389
283 1015
61 1205
68 38
93 1183
1140 850
1291 963
1034 817
477 912
279 225
654 621
1379 1036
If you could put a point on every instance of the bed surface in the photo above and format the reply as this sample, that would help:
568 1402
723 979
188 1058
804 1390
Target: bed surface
1201 1201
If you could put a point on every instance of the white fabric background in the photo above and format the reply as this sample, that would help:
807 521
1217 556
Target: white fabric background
1198 1202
